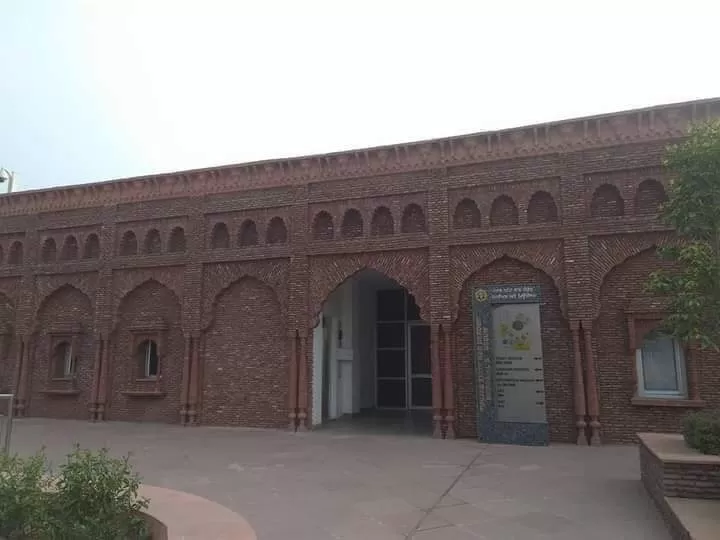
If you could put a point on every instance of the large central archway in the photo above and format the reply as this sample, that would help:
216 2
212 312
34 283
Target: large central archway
371 357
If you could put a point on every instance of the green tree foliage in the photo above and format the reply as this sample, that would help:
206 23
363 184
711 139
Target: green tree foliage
693 209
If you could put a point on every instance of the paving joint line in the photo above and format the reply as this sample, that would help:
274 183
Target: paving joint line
428 511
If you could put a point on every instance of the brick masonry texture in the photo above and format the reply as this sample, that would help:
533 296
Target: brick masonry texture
226 269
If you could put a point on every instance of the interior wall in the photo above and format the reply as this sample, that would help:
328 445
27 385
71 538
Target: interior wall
351 374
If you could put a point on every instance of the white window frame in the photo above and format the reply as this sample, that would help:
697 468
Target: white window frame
69 368
680 374
148 352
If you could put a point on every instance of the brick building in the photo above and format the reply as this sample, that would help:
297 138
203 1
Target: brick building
288 292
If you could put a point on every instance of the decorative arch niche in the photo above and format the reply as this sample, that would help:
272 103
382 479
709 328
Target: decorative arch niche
504 212
467 215
607 202
649 197
352 224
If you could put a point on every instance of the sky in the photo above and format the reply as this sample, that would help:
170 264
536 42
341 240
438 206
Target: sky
92 90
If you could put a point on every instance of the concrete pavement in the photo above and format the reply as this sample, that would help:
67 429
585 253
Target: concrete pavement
339 485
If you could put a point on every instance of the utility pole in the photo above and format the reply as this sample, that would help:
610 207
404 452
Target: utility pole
7 176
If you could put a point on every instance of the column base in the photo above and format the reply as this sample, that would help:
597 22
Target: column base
581 433
450 427
595 439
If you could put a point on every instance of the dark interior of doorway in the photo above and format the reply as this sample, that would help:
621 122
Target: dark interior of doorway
402 353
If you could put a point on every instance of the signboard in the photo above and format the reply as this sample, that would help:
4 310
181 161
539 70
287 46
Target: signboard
510 384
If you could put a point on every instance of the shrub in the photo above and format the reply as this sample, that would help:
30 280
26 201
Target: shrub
92 497
702 432
23 496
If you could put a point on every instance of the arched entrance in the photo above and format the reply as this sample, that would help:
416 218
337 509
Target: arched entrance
371 358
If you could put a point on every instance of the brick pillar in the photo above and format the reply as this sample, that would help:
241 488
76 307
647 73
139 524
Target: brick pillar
593 403
293 378
448 389
104 314
437 397
103 380
93 405
195 382
185 383
298 316
439 287
303 384
579 385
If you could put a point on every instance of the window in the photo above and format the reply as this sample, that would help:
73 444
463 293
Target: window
63 361
149 361
661 367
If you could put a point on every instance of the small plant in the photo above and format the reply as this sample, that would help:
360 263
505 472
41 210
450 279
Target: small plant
701 431
93 496
23 496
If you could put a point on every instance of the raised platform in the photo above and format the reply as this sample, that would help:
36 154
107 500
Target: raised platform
176 515
684 484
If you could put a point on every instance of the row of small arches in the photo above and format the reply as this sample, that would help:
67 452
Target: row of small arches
153 243
381 224
607 201
504 211
70 250
15 254
248 234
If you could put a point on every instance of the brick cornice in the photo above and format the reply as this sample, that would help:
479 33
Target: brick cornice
641 125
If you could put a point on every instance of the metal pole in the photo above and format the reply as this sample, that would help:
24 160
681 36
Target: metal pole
8 421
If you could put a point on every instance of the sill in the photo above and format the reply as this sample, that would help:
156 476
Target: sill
71 392
143 393
62 379
667 402
146 380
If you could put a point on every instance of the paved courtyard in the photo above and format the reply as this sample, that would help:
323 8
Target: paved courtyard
357 486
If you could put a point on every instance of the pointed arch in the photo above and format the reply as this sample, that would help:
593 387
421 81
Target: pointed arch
556 343
48 252
92 247
128 244
16 255
649 197
276 231
467 215
382 223
323 228
542 208
234 338
413 219
248 235
504 212
409 269
352 224
607 202
64 290
153 242
177 243
220 237
544 256
70 249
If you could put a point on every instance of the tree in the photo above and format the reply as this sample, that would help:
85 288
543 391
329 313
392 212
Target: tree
693 209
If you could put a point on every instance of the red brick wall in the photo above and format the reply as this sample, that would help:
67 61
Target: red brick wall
160 307
66 305
246 359
621 291
8 344
307 239
557 349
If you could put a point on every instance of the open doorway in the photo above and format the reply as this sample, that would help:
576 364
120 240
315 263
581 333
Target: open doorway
371 358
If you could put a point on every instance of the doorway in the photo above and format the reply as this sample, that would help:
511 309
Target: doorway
371 357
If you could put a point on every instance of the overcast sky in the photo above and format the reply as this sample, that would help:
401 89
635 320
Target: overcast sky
92 90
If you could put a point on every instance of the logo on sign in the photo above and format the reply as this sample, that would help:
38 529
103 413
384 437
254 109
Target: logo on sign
481 295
